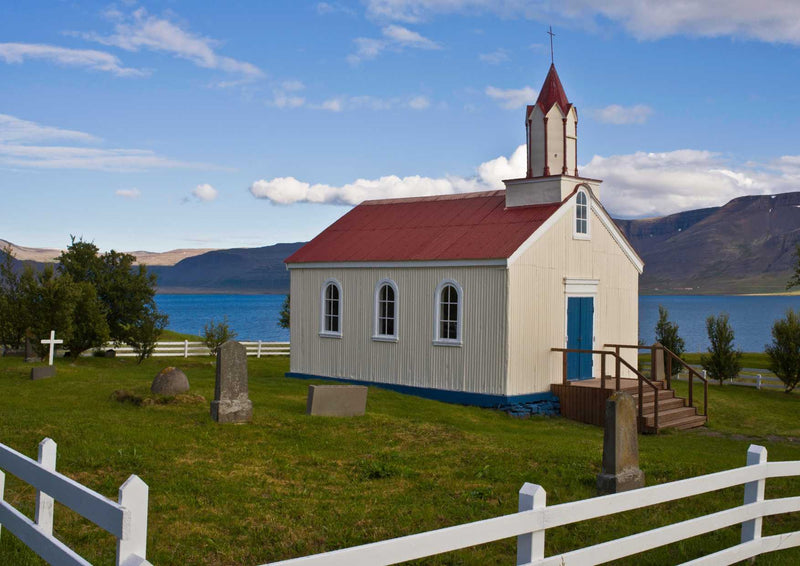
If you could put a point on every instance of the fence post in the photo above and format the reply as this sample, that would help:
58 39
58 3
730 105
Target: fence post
2 491
259 349
185 348
754 492
133 544
758 382
530 546
44 503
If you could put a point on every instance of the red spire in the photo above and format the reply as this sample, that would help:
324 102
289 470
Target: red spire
552 92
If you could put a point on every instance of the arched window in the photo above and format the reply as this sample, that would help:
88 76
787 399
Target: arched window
449 301
581 214
331 311
385 310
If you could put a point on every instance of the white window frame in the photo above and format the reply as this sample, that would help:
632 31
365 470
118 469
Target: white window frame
376 335
579 235
328 333
437 298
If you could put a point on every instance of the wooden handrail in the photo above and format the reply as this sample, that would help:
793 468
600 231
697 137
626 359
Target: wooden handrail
673 356
619 362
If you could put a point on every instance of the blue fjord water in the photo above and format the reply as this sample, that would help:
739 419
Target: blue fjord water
255 317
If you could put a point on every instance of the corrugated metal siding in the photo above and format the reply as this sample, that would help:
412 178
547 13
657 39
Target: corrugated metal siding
479 366
537 301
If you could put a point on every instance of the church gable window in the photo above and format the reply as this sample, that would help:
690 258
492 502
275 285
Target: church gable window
385 311
581 215
449 306
331 312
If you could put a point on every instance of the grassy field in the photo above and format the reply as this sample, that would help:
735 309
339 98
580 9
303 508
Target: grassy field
289 485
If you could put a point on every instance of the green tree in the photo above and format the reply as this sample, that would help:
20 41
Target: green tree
51 303
286 313
126 291
784 352
794 281
667 336
217 333
143 333
90 328
723 361
14 314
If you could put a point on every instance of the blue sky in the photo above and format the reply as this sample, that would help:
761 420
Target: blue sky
161 125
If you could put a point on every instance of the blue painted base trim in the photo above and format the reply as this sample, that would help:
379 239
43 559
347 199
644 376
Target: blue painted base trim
455 397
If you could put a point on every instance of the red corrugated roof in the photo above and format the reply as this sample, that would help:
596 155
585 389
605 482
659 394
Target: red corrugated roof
552 93
451 227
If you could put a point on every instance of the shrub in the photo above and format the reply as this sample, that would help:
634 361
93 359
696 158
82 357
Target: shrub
784 352
217 333
144 334
723 362
667 336
286 313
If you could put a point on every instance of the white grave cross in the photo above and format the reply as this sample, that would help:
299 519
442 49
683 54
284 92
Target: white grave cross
52 343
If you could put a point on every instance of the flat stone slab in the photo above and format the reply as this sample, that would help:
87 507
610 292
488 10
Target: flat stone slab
236 411
43 372
336 400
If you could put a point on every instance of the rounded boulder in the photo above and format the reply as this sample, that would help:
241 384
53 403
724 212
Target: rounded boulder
170 381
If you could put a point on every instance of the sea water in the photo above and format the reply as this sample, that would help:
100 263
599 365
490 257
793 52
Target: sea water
255 317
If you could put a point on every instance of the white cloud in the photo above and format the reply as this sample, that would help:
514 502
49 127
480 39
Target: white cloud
511 98
62 157
772 21
366 102
205 193
616 114
13 129
282 96
128 193
394 38
85 58
635 185
324 8
140 30
495 57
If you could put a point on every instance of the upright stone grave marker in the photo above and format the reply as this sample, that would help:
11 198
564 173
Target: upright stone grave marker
620 447
231 403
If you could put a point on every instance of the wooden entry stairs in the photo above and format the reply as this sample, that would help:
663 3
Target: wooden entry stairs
658 406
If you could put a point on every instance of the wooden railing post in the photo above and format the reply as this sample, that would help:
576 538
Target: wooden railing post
754 492
691 389
258 355
185 348
564 368
669 371
44 503
619 369
603 372
530 546
133 544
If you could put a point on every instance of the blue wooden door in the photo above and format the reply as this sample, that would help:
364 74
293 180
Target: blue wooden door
580 316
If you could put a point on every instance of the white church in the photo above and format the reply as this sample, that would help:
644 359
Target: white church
462 297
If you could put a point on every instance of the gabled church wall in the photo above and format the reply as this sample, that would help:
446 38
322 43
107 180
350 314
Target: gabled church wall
537 301
478 366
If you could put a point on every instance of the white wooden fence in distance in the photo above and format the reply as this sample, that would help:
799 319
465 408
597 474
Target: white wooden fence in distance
186 348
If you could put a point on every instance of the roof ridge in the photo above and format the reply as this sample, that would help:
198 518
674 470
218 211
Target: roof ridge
456 196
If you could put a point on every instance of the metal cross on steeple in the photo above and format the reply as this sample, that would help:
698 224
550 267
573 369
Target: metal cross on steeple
551 34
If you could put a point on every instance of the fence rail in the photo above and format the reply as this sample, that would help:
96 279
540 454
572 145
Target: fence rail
534 517
748 377
126 519
186 348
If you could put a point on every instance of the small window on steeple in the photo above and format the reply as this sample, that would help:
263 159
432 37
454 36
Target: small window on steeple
581 215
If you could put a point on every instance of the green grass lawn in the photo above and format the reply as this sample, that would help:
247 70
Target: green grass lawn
289 485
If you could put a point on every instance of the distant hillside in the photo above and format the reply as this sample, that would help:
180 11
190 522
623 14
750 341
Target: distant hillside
746 246
240 270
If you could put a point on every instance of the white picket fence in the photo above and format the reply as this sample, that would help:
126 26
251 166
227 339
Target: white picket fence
530 524
748 377
186 348
126 519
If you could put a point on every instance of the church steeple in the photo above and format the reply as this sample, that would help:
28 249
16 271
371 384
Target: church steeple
551 126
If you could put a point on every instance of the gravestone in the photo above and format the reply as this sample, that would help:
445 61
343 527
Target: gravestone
620 447
30 355
42 372
111 353
170 381
336 400
231 403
